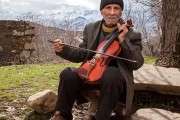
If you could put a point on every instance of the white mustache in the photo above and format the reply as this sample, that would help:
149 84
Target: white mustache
112 17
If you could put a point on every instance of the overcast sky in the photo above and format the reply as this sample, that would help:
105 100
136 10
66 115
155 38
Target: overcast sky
28 5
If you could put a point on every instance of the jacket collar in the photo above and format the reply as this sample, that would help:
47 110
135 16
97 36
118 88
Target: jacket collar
95 35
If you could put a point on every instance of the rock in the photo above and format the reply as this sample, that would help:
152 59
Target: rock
158 79
80 112
43 102
11 109
155 114
33 115
3 117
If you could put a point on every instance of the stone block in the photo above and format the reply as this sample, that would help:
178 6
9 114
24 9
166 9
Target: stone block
155 114
43 102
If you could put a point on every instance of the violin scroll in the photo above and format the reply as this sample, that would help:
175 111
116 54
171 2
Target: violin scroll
128 23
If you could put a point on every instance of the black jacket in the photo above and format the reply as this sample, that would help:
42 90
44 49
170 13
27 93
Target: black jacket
131 49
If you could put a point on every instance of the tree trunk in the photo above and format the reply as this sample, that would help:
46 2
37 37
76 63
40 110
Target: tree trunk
170 42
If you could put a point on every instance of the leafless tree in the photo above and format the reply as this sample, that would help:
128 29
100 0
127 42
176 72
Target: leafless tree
170 42
142 19
70 32
168 16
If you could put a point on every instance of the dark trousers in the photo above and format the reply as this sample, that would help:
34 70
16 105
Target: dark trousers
111 88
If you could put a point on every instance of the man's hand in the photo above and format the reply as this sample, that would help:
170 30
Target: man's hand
124 30
57 45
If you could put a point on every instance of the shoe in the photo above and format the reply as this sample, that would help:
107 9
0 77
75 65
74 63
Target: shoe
57 116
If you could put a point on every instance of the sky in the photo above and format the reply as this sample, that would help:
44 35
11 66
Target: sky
30 5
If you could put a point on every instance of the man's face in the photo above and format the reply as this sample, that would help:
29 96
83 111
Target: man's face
111 14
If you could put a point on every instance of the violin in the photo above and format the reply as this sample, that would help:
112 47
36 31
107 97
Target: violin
92 70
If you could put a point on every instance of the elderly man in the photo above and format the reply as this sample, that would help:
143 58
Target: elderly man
116 81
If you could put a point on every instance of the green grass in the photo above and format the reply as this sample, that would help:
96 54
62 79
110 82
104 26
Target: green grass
22 80
149 59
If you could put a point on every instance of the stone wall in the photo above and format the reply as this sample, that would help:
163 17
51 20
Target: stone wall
13 36
26 42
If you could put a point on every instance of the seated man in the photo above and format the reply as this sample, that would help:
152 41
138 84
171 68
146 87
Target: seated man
117 79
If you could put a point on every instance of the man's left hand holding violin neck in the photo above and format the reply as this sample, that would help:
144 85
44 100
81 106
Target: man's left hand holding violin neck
123 31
